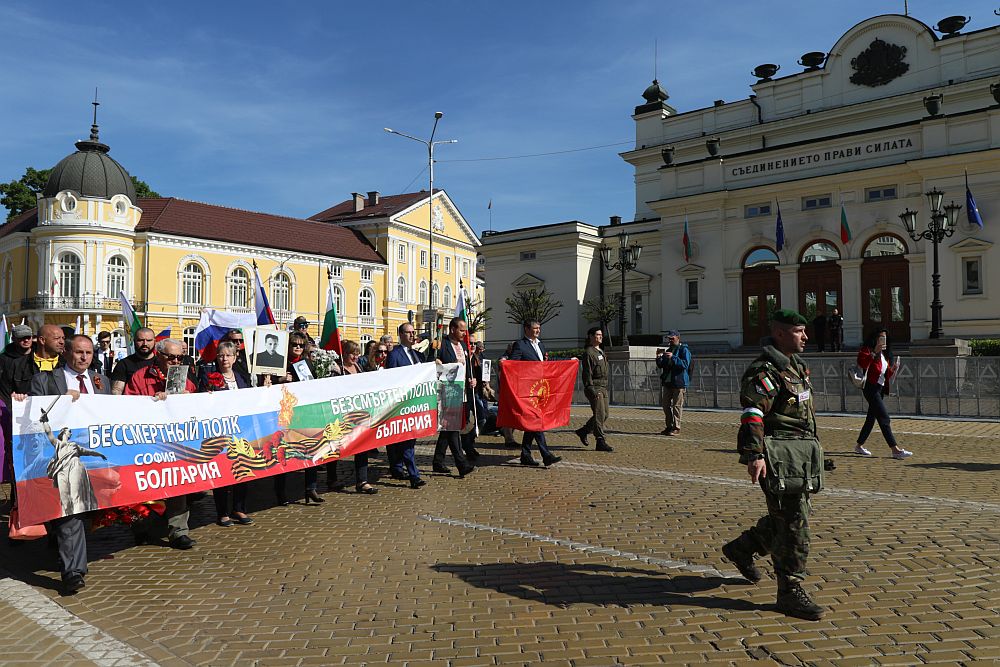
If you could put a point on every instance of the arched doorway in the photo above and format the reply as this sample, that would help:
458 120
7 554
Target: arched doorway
761 293
819 286
885 287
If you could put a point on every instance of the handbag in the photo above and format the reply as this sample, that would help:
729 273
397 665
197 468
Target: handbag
794 465
19 532
857 376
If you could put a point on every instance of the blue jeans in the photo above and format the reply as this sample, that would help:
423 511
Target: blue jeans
401 454
539 437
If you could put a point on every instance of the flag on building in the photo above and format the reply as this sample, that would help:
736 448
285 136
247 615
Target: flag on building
163 335
686 241
330 338
536 395
55 286
462 312
78 329
4 331
845 229
263 308
971 210
779 231
213 325
129 317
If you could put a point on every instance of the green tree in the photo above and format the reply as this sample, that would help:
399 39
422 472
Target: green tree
19 196
527 305
602 310
480 316
142 189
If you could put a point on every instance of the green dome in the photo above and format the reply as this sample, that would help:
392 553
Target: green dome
91 172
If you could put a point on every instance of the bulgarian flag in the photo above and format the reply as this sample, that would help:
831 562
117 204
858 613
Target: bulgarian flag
686 241
330 338
845 229
462 312
131 320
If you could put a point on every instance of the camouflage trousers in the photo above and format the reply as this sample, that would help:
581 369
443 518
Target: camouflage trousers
784 534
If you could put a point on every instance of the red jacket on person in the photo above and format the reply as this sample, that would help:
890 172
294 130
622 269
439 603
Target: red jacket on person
872 364
150 380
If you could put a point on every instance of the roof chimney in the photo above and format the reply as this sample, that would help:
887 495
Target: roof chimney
616 220
373 197
359 201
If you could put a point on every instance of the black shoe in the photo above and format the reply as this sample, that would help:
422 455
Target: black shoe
338 487
226 523
604 447
443 469
794 601
281 500
366 488
743 560
183 543
416 482
73 584
312 496
580 433
472 454
552 460
395 474
528 461
140 536
462 472
243 520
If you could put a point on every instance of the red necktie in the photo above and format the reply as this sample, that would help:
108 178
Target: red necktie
83 385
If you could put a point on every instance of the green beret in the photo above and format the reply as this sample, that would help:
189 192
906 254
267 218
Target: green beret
788 316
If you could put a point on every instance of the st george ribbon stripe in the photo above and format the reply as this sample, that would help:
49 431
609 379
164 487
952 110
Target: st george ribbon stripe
588 548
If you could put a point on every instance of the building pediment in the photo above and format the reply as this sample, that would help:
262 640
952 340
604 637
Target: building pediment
971 244
528 281
691 271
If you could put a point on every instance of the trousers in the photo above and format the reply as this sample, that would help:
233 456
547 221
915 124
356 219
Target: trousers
401 455
672 402
538 437
71 539
360 470
598 398
449 440
876 413
784 534
238 492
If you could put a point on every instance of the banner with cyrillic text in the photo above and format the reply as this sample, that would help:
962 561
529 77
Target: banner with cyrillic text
106 451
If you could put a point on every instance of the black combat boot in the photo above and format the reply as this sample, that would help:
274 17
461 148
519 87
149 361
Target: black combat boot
740 553
603 446
582 434
794 601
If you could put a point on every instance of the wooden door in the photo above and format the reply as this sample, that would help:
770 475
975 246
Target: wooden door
819 292
885 296
761 296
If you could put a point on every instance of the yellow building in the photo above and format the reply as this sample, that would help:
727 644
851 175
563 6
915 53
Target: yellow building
90 238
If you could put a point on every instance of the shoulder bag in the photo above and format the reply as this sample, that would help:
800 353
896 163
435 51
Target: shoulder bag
794 465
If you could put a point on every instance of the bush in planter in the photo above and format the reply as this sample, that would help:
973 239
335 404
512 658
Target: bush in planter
985 347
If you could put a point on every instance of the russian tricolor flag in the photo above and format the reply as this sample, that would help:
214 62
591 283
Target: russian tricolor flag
264 314
215 324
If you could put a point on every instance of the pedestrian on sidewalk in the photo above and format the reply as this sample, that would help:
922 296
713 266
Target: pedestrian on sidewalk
595 387
674 362
776 395
875 358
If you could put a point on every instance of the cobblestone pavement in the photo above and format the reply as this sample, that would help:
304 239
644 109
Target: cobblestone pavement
604 559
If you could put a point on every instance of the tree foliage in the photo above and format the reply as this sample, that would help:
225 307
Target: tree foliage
480 316
527 305
20 195
602 310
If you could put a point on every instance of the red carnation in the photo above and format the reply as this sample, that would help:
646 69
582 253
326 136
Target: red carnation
216 381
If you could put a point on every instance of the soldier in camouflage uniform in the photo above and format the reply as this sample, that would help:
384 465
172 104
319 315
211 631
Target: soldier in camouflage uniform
776 395
595 386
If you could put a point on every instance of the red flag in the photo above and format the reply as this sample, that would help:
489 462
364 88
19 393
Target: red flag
536 395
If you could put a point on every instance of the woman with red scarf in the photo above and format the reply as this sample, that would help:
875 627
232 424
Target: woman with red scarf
875 358
226 377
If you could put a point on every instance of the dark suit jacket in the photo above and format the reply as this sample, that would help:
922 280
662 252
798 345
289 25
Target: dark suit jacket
523 350
53 383
398 358
446 354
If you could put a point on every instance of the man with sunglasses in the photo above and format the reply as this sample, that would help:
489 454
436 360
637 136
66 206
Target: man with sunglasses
301 325
144 341
151 380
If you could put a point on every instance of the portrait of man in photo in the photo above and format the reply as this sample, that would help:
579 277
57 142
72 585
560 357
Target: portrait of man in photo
270 351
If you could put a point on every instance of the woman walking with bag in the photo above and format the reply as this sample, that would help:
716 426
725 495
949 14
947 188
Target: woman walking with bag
875 358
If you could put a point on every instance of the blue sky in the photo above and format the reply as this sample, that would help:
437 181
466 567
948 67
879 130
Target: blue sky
279 106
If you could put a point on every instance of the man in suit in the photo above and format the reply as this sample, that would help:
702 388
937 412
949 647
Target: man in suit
530 348
73 378
401 453
270 357
453 351
104 356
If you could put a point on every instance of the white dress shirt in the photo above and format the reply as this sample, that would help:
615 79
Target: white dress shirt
73 383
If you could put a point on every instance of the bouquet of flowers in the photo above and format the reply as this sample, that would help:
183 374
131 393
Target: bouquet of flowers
326 362
127 514
216 381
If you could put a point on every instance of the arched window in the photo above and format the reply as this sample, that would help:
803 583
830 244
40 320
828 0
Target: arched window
401 289
69 275
435 296
117 280
281 292
821 251
189 339
423 293
338 300
760 257
365 300
364 339
884 246
192 284
239 289
447 296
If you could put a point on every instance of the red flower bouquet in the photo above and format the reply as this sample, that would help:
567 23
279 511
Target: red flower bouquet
216 381
127 514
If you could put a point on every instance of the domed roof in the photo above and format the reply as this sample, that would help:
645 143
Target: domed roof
91 172
655 93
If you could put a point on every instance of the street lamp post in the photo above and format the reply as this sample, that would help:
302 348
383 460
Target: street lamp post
430 144
941 226
628 259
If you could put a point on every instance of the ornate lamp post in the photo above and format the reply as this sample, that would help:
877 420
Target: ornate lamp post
628 259
941 226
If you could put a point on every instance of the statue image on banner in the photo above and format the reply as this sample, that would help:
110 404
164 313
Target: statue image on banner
67 473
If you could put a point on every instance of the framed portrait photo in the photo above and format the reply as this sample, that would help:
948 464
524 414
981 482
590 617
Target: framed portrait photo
270 350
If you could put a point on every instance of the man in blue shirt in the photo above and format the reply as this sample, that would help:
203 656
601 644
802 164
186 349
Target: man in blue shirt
674 362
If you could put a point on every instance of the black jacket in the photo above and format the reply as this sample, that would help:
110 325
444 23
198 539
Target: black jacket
16 371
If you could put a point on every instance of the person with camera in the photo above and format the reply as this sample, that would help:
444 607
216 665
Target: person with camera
875 358
674 362
778 414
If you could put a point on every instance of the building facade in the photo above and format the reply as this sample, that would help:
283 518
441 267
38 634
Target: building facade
861 134
90 238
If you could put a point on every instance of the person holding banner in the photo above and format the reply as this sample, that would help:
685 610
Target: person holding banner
530 348
226 377
351 352
151 380
453 351
401 454
16 367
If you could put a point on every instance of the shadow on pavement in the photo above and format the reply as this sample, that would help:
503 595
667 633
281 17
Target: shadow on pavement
965 467
564 584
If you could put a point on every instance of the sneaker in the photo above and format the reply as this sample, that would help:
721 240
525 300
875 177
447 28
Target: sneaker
860 449
794 601
667 431
901 453
742 560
